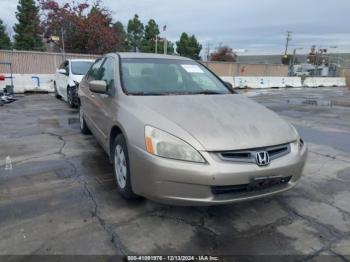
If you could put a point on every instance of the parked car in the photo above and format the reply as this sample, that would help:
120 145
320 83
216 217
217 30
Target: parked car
68 77
177 134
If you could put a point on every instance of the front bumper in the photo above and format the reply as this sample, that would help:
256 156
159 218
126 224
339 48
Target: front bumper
185 183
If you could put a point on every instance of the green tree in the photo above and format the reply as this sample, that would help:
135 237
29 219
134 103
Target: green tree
5 42
135 33
149 39
188 46
28 30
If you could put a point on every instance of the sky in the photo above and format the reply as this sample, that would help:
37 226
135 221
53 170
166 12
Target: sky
253 26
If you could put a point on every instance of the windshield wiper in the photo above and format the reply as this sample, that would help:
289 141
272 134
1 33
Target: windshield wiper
209 92
148 94
203 92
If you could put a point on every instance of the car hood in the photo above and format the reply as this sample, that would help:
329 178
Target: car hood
221 122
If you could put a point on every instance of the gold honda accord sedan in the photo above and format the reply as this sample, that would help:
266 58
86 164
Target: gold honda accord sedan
177 134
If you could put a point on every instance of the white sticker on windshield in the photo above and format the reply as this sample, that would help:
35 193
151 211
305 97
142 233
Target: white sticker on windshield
192 69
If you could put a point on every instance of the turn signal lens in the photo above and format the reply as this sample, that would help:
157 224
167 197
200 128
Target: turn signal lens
149 145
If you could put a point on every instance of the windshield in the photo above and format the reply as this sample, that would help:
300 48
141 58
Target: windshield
143 76
81 67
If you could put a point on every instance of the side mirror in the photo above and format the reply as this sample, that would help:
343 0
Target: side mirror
2 78
98 86
62 71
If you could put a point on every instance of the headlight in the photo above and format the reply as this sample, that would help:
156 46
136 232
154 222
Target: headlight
162 144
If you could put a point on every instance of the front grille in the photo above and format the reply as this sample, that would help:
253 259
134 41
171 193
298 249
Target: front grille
248 155
268 183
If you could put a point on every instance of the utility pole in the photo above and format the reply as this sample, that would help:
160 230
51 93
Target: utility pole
208 51
316 63
289 38
165 40
63 47
293 61
156 49
165 46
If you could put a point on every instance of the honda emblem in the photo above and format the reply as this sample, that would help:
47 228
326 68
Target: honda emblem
262 158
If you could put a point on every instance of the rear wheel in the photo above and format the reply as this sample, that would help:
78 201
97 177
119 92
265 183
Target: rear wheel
83 126
121 168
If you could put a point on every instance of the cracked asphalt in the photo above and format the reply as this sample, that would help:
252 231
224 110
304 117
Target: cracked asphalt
60 196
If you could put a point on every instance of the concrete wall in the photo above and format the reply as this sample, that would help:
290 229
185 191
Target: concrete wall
345 72
43 82
29 82
324 81
282 82
238 69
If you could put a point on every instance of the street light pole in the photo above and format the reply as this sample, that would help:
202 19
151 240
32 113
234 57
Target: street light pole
294 58
289 34
316 63
165 46
63 47
156 49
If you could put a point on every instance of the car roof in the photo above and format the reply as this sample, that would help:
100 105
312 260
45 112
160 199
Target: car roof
150 55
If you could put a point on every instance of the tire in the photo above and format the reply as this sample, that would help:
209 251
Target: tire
56 93
83 126
70 97
121 168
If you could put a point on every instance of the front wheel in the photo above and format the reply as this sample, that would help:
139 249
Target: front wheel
121 168
70 96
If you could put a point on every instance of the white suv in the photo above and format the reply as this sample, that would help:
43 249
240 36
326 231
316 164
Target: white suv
68 77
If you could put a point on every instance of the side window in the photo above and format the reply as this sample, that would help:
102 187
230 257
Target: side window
107 73
94 72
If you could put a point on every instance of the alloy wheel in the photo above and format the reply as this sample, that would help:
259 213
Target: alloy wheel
69 96
120 166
